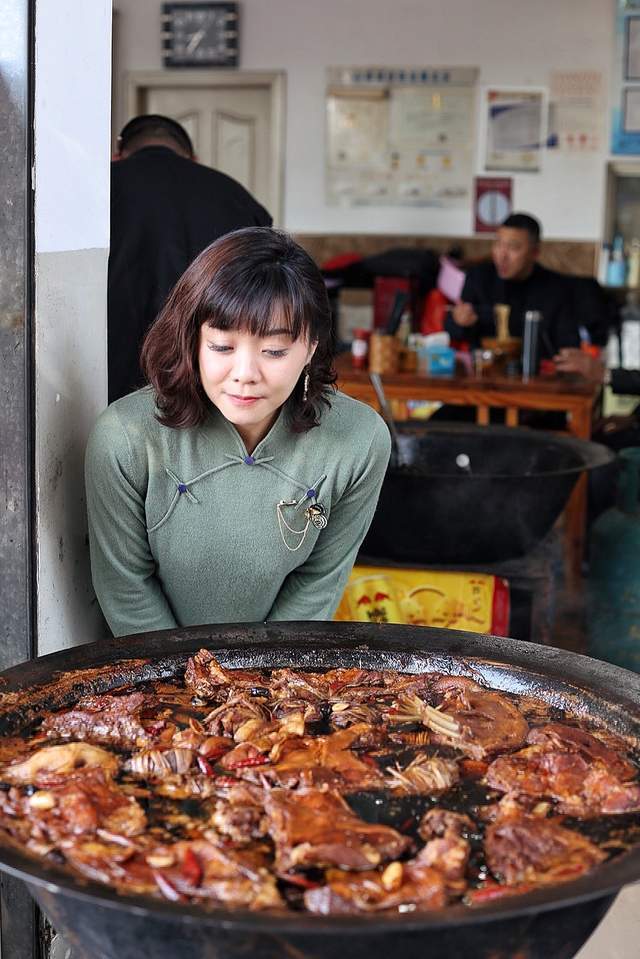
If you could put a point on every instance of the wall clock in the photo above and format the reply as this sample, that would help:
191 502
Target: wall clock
200 34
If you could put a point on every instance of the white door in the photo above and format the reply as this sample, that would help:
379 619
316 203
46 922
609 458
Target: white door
234 122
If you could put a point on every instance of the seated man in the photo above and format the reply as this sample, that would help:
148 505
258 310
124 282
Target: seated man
514 277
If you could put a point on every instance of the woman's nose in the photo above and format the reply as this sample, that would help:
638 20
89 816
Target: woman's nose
245 367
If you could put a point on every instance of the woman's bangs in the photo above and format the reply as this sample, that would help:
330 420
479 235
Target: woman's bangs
259 311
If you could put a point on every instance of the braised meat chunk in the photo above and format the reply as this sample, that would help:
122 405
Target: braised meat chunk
488 721
411 885
329 760
315 827
52 764
207 679
110 720
76 806
527 849
570 765
200 870
464 715
447 846
239 813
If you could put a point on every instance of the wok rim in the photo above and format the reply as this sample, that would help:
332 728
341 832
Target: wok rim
573 669
592 455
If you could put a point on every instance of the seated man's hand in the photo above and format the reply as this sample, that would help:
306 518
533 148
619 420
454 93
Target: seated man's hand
614 424
464 314
572 360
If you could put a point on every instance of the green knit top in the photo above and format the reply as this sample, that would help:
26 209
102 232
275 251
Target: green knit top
184 526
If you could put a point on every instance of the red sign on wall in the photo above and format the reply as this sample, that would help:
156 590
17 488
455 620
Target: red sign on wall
492 203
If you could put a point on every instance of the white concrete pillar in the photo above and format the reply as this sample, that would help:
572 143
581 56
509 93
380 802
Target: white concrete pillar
72 137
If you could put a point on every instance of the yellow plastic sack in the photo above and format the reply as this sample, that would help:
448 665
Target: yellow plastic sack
475 602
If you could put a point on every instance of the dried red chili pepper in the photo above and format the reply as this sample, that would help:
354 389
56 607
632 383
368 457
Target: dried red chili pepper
249 761
573 870
205 766
191 868
494 890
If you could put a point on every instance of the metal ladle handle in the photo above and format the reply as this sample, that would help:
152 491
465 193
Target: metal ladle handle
376 382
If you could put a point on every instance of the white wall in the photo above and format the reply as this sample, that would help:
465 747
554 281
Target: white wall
72 133
511 41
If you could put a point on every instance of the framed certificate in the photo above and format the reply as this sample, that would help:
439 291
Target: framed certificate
632 48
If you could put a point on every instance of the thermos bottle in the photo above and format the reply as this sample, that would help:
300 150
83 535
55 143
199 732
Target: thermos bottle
531 344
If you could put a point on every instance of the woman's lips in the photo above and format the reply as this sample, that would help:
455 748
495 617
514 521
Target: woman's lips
243 400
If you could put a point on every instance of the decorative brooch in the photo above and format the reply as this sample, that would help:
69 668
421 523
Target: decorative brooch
315 515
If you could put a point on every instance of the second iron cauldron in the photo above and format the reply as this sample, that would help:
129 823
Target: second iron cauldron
474 494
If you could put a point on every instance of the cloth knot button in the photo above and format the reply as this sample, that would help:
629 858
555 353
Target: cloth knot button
249 460
311 494
182 488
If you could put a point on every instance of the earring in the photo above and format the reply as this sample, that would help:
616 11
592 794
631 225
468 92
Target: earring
305 387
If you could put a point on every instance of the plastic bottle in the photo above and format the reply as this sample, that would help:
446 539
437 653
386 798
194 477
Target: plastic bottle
633 273
603 263
617 268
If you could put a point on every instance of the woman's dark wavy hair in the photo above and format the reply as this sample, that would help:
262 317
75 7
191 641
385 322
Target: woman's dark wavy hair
248 280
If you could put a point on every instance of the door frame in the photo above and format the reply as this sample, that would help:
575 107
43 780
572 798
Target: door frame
138 82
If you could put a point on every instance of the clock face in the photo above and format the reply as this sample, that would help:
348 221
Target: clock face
200 34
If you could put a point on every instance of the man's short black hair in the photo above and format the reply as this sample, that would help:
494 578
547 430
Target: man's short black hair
150 125
522 221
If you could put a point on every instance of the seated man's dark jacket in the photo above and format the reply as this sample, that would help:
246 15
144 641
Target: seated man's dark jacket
543 290
165 210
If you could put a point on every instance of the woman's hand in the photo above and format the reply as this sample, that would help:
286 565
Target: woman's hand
464 314
571 360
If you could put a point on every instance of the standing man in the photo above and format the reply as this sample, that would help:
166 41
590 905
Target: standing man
165 209
514 277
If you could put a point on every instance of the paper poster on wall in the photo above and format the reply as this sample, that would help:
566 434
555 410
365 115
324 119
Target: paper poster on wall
625 133
493 202
514 129
400 135
576 112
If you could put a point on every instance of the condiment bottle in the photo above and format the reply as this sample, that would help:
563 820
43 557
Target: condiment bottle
360 349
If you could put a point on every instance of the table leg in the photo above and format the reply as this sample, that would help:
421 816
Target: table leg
483 415
511 416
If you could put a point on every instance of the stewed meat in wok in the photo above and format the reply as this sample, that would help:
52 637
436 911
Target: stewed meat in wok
350 791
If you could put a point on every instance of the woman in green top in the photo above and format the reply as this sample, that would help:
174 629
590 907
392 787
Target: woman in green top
238 485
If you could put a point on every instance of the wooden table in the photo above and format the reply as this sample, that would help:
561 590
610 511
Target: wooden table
571 395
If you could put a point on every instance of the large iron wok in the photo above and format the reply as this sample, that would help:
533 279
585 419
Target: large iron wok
511 489
546 924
